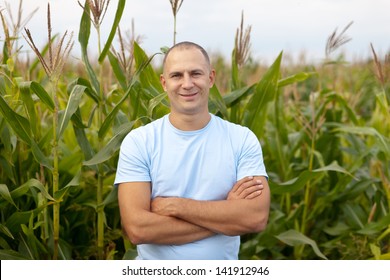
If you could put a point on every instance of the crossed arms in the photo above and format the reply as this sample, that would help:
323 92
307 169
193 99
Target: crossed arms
175 220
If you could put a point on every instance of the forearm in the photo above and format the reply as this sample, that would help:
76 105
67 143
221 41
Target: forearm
150 228
142 226
229 217
237 216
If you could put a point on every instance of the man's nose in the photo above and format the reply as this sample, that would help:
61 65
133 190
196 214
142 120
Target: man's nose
187 81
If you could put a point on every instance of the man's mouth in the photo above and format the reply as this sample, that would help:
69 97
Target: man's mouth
188 94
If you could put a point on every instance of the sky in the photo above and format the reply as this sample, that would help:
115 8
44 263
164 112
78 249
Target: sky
291 26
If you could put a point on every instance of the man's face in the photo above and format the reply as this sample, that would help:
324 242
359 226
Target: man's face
187 79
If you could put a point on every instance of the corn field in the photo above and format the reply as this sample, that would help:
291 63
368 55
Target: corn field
324 130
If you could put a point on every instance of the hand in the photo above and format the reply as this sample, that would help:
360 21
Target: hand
163 206
246 188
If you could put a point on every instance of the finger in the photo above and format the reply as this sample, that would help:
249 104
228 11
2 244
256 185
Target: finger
245 193
254 194
249 184
239 183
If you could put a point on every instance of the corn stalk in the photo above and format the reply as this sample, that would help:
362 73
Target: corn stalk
94 12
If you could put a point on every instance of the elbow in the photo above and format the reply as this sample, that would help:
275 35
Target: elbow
135 239
134 235
250 225
258 224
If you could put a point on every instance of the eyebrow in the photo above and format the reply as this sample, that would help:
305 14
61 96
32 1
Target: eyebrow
181 72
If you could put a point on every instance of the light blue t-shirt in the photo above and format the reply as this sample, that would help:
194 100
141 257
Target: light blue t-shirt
202 165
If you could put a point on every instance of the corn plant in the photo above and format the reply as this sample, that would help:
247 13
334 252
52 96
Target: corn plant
23 120
94 12
324 130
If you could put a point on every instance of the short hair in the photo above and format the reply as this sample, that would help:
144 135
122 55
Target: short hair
187 45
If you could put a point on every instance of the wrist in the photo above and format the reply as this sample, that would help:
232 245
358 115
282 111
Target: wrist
178 206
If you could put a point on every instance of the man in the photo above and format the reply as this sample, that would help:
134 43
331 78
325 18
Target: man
191 183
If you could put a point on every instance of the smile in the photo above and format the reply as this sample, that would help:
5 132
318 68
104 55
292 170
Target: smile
188 95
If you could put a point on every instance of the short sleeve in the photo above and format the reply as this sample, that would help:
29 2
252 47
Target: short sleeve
133 161
250 160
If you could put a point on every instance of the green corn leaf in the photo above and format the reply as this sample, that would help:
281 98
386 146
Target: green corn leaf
299 77
18 218
111 116
383 105
266 90
35 87
238 94
338 229
6 231
3 86
154 102
112 146
376 227
235 72
333 97
119 74
355 189
354 215
112 197
85 27
145 71
11 255
84 33
293 185
333 166
295 238
19 124
382 141
5 52
40 156
299 182
72 106
117 19
280 133
5 165
216 102
84 144
77 119
30 110
88 88
32 183
376 250
142 67
60 194
4 193
138 102
30 241
27 243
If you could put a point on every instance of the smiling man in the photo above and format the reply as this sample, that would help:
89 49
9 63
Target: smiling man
191 183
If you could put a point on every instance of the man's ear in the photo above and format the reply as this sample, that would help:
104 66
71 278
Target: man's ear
162 81
212 77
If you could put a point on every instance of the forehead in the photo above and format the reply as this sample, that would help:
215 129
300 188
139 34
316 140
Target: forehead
185 57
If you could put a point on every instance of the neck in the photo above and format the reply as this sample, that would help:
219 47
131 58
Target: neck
189 122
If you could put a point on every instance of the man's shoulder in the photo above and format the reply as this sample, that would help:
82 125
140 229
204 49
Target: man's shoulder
146 131
153 125
230 126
